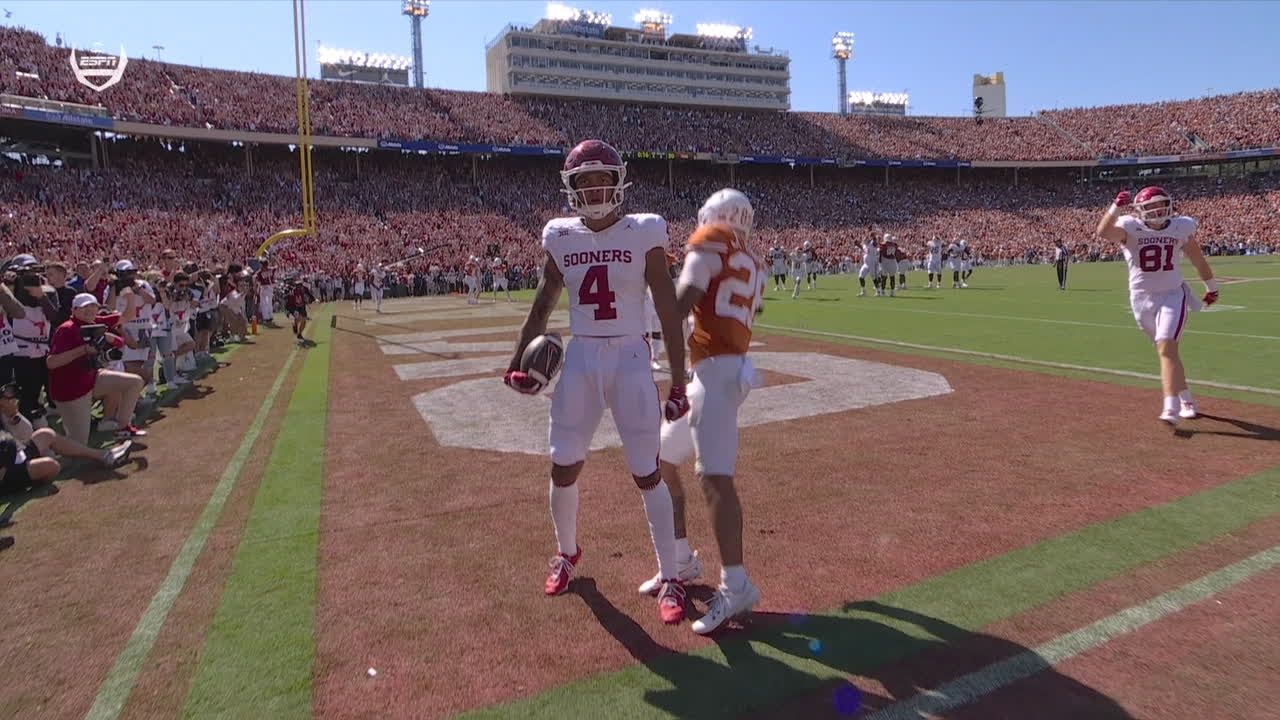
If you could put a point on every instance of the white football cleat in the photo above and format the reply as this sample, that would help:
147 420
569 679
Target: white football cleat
892 293
1170 416
726 604
1188 411
686 572
862 292
964 284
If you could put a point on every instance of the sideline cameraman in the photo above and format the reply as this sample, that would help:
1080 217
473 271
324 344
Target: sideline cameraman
76 376
131 297
8 343
32 333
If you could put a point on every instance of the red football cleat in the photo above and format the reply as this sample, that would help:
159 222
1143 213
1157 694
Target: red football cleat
671 600
562 567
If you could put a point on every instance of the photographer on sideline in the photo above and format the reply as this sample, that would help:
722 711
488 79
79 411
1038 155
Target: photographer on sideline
39 442
80 349
32 333
8 343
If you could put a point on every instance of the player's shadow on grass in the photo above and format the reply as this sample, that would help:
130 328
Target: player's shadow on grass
795 665
1249 430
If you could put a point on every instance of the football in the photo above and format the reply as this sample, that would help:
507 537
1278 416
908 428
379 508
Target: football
542 358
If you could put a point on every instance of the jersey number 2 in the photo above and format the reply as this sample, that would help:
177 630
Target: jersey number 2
595 291
736 298
1149 259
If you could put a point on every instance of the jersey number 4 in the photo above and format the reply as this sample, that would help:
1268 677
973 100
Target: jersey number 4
736 297
595 291
1149 259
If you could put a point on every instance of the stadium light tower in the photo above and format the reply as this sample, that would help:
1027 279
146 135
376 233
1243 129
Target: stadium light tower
416 10
842 50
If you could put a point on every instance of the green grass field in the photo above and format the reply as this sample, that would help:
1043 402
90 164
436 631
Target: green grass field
1018 311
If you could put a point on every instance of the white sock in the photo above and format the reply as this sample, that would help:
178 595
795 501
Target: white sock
1185 396
662 527
734 577
683 554
1171 402
564 515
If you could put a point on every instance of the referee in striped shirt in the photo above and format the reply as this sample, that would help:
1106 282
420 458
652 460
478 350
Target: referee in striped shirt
1060 260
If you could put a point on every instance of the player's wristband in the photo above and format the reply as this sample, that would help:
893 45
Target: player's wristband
1211 285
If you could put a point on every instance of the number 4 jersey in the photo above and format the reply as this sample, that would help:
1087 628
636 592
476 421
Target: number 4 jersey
604 271
1153 255
732 279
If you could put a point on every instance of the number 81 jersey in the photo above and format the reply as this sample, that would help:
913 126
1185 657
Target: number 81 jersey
1153 255
604 271
732 279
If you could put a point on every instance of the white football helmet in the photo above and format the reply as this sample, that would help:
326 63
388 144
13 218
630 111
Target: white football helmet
730 207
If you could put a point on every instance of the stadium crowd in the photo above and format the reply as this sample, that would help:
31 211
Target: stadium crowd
200 201
169 94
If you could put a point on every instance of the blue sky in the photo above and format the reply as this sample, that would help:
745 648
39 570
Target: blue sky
1053 54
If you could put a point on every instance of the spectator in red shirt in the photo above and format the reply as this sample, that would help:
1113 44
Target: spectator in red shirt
75 378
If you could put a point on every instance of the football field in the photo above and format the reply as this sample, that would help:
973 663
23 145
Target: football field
958 504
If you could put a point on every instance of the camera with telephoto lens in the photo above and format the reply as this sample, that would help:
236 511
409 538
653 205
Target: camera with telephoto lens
27 272
96 336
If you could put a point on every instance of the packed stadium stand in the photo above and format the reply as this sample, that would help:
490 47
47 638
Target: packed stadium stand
206 201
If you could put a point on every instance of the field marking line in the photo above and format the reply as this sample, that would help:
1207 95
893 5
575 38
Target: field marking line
115 689
973 686
1016 359
1053 321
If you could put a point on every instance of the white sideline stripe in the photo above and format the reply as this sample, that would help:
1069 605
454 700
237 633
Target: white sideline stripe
970 687
1065 322
1017 359
118 684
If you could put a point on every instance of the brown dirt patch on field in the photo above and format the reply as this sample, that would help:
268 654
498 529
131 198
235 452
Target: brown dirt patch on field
440 552
89 559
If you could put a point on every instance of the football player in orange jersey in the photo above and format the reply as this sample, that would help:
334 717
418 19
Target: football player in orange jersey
722 283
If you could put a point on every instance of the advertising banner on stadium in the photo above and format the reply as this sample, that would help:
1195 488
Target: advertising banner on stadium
1195 157
469 149
64 118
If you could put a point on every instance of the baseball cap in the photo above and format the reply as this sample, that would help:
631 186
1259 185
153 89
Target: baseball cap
124 266
83 300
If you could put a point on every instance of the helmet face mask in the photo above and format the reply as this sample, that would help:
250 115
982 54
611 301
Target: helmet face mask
594 179
1154 206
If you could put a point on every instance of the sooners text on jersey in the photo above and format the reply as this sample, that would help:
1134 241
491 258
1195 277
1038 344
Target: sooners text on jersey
604 271
722 318
1153 255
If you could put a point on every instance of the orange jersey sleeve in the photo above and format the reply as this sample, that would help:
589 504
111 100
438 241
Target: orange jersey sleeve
723 317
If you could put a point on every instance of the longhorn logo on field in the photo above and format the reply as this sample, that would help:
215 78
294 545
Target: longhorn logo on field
92 65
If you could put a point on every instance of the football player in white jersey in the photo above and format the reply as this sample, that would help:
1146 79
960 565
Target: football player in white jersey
606 260
1153 242
934 263
870 266
800 267
377 285
889 264
954 251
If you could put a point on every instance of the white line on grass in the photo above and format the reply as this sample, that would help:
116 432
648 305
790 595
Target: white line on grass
1016 359
971 687
1064 322
119 682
